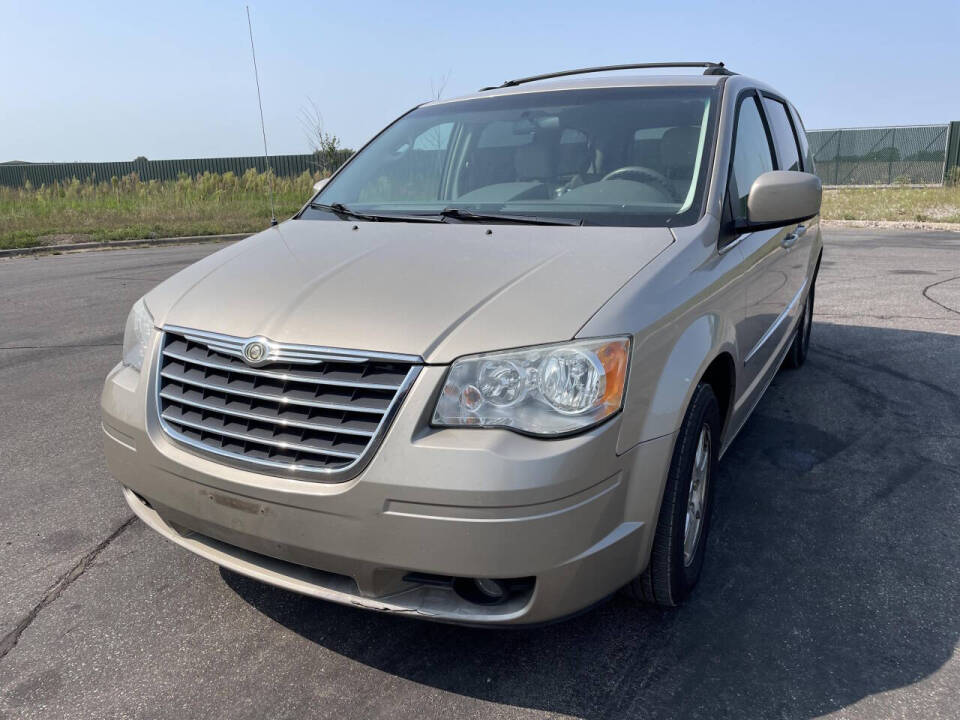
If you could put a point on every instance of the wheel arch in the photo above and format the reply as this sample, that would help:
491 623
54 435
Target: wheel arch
721 375
706 350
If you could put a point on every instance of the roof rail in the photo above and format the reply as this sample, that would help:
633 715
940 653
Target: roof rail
712 68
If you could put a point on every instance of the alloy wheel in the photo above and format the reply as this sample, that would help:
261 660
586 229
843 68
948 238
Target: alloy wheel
697 495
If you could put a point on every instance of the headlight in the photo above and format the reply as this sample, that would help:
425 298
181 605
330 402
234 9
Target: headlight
136 335
543 390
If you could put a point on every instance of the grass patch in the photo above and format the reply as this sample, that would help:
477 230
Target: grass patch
128 208
930 204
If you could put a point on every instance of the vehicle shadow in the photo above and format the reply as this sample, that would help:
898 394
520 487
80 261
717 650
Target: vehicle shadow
832 572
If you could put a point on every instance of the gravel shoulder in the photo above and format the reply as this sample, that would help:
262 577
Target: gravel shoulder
910 225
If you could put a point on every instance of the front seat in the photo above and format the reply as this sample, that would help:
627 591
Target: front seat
536 162
534 168
573 162
678 155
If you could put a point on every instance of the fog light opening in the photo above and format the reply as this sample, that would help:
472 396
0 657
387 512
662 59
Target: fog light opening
492 589
483 591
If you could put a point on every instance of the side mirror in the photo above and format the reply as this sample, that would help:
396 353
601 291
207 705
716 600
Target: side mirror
782 197
318 185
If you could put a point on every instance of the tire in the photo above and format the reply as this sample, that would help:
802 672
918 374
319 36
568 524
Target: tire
797 354
674 568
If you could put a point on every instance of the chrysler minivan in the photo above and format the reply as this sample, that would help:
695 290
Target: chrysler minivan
486 374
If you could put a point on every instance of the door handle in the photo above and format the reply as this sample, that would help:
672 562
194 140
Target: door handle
790 240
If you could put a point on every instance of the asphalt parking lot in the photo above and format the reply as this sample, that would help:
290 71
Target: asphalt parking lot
832 583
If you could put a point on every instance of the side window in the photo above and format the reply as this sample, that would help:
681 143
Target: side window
436 138
783 136
804 142
751 155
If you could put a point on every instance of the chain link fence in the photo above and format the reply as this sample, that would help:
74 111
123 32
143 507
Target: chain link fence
283 166
906 155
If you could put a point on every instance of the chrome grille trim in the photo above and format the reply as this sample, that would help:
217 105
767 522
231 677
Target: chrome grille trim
265 418
284 352
276 375
278 398
252 438
320 423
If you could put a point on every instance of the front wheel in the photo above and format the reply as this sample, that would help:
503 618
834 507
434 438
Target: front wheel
681 536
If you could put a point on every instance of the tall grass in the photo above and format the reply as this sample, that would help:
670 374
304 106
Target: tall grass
130 208
923 204
210 204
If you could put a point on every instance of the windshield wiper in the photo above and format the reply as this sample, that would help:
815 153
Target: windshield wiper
343 211
470 216
454 213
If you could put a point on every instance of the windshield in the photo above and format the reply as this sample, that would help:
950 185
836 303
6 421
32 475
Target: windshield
608 156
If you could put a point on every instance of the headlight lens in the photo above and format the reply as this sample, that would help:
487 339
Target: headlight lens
542 390
136 335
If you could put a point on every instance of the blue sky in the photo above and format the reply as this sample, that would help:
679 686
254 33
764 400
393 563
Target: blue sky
110 81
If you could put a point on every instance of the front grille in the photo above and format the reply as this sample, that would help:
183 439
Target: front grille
307 411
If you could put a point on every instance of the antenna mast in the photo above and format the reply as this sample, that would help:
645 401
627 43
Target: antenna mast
263 129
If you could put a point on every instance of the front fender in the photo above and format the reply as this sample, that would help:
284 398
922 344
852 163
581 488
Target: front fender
699 345
682 309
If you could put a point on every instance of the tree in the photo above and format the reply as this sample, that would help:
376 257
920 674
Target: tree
326 146
437 87
436 137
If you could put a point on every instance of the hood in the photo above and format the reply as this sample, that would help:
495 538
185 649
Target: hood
436 291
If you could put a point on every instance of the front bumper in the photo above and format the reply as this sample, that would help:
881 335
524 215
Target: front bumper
468 503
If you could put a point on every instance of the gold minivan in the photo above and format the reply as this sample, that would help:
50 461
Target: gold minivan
486 374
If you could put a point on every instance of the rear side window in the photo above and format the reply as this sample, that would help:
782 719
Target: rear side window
804 142
783 136
751 155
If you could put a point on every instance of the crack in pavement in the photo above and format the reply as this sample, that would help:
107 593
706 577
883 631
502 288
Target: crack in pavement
10 640
882 399
935 302
879 368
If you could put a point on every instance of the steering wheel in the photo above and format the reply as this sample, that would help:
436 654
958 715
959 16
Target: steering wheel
645 175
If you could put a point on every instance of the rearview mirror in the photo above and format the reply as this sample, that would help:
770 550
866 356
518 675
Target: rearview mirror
318 185
782 197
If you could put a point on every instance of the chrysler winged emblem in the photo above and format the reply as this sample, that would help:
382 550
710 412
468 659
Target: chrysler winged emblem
255 352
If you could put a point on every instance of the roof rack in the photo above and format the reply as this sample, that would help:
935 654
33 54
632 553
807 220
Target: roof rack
712 68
